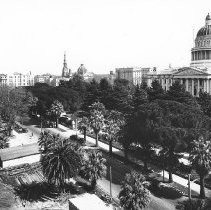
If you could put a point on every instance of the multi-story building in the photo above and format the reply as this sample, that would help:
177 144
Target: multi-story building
134 75
44 78
18 79
3 79
196 77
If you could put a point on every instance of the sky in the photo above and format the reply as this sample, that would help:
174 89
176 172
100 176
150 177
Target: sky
101 34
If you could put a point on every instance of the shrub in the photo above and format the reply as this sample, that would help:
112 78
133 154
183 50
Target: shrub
167 191
195 204
77 139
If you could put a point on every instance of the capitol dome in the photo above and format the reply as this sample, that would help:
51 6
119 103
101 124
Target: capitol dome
201 52
82 70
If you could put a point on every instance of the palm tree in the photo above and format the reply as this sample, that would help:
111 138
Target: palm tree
83 126
60 163
113 123
55 111
171 142
200 158
97 111
134 195
47 140
94 167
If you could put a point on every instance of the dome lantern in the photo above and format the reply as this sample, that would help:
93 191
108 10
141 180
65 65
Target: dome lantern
208 20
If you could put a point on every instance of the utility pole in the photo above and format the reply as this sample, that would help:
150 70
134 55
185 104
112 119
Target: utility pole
110 169
189 189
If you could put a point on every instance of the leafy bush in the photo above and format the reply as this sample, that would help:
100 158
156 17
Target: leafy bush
154 185
195 204
167 191
134 193
77 139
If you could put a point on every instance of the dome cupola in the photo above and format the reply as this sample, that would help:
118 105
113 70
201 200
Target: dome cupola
208 17
208 20
206 30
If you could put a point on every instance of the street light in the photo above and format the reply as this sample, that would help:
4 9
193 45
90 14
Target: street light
189 189
40 117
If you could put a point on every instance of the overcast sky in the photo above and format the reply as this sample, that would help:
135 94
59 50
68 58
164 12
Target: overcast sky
101 34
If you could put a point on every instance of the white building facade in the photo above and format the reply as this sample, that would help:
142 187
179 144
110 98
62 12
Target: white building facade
135 75
19 80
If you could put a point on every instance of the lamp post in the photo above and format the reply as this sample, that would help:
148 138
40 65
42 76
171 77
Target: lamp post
40 117
189 189
110 169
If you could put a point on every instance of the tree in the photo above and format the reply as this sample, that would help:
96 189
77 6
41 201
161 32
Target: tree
24 103
70 99
9 107
4 141
144 85
94 167
47 141
181 123
96 118
105 93
156 91
134 195
139 97
121 97
204 101
200 158
60 163
171 141
113 122
142 129
92 94
177 93
55 111
124 138
83 125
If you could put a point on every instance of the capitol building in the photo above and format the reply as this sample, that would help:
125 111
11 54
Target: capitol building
197 76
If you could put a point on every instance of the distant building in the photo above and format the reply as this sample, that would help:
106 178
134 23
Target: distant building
56 80
66 72
3 79
110 77
83 72
135 75
44 78
19 80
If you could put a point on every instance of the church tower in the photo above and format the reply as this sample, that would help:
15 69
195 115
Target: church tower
65 71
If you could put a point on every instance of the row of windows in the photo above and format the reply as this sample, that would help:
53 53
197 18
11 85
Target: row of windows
203 43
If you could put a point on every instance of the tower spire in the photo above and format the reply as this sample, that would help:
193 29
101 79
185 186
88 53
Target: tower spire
65 71
65 63
64 57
